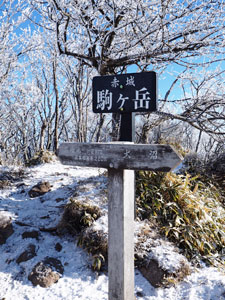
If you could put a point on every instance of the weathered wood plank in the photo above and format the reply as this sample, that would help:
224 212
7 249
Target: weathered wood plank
121 234
120 156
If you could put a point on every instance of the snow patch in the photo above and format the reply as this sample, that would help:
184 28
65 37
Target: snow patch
78 281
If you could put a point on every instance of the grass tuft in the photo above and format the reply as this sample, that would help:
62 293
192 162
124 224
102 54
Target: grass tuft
78 215
189 213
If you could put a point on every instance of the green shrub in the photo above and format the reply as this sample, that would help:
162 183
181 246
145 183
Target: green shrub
95 242
188 211
208 170
41 157
78 218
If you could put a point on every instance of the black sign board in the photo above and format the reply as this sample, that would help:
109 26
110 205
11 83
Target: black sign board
126 93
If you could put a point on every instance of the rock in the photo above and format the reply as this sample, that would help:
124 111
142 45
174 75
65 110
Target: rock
28 254
39 189
162 271
43 276
58 247
158 260
6 228
46 272
31 234
54 263
153 273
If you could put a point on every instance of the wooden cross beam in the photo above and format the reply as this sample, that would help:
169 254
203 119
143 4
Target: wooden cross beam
121 159
119 155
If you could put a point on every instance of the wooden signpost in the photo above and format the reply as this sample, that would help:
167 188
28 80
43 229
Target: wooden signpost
119 155
121 159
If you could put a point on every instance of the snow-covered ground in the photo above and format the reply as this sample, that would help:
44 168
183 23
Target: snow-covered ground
78 280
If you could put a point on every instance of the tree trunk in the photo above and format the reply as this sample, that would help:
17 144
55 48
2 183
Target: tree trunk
42 135
55 139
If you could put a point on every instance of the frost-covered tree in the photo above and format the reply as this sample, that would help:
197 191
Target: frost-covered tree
83 125
14 35
15 43
201 102
110 35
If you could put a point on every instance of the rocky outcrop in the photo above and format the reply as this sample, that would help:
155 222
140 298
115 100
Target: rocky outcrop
39 189
46 272
28 254
153 273
158 260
